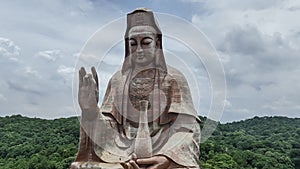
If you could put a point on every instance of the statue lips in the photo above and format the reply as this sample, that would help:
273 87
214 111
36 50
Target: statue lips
141 57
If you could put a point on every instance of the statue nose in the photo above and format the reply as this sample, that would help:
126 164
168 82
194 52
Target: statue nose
139 49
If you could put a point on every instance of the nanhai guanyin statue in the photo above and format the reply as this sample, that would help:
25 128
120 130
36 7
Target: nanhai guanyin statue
147 118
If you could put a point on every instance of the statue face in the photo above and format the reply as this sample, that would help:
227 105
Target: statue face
142 45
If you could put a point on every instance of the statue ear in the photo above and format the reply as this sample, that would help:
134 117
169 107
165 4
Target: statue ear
157 41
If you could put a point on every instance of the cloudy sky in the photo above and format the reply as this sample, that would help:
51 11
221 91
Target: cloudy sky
258 43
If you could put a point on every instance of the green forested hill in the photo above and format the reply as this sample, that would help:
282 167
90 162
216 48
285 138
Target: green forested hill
267 142
37 143
262 143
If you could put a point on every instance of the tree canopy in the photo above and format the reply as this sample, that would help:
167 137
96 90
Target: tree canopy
257 143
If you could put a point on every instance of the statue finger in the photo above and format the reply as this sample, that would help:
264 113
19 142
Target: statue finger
91 81
134 157
125 165
82 73
80 78
146 161
95 76
85 80
153 167
133 164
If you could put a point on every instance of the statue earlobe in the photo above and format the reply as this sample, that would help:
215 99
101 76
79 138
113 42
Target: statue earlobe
157 42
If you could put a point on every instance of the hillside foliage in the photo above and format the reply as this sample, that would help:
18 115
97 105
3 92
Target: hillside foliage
258 143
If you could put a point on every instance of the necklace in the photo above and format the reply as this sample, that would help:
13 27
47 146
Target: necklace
141 86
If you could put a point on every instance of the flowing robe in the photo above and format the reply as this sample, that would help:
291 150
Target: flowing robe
173 121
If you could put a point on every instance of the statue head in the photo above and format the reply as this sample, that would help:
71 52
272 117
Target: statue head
143 41
142 44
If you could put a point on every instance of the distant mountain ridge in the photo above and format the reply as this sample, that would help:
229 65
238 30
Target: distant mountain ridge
260 142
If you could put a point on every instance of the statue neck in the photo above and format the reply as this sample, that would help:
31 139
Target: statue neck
137 69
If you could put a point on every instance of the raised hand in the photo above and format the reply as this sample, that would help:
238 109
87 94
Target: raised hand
88 93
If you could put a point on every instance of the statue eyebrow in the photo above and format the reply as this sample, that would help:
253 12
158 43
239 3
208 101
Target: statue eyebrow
137 33
132 39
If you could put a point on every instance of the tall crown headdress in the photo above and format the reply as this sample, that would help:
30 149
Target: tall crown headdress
141 16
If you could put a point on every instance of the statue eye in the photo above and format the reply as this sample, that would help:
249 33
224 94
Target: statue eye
147 41
132 42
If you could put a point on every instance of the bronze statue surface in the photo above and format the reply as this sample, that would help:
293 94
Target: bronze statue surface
147 118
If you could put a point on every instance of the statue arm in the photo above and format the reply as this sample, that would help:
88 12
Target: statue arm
88 101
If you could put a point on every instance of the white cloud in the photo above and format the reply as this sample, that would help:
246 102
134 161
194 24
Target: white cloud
66 72
88 58
227 104
8 49
50 55
268 17
32 73
258 43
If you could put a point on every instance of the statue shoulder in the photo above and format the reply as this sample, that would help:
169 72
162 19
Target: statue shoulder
175 74
117 76
172 70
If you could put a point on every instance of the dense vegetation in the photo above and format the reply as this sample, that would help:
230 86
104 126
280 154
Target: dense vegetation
262 143
32 143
